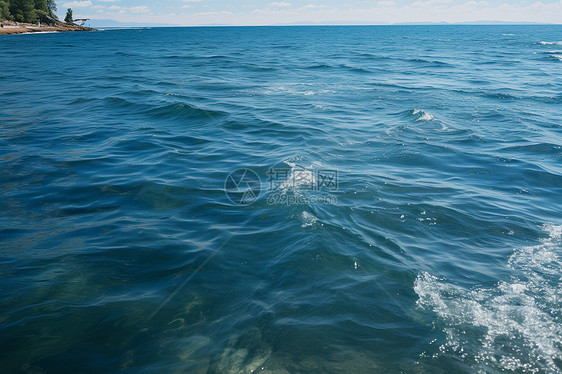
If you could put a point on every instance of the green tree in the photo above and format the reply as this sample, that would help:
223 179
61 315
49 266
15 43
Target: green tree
41 5
28 10
5 10
23 10
68 18
52 6
43 15
41 11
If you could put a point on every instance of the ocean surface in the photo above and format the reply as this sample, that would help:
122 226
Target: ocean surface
378 199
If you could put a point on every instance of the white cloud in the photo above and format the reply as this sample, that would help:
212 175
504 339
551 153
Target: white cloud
372 12
134 9
280 4
313 6
139 9
386 4
432 2
214 13
476 3
77 4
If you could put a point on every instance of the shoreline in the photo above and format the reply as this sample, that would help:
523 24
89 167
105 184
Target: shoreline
12 28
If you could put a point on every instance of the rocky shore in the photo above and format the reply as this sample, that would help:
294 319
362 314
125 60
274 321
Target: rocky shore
10 27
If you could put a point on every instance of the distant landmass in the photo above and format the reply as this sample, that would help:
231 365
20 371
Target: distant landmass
363 23
471 23
100 23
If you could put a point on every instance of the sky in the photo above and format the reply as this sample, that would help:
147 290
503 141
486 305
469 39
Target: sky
264 12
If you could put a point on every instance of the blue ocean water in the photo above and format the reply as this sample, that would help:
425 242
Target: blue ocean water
394 201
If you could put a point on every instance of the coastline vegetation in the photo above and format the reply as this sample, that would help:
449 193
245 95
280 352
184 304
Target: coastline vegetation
29 11
68 18
28 16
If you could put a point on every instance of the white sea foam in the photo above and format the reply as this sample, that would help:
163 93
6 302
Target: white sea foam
38 32
423 115
298 177
556 56
520 317
550 43
308 219
296 90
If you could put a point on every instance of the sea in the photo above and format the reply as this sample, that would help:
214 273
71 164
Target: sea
323 199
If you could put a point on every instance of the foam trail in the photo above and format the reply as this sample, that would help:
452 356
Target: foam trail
521 316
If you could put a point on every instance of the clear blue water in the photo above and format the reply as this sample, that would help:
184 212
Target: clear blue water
437 251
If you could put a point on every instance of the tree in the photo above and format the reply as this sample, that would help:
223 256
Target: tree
52 6
41 5
5 10
28 10
23 10
41 11
68 18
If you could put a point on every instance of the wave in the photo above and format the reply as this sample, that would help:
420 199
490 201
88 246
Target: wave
121 53
540 148
182 110
430 62
550 43
499 96
118 102
552 55
514 326
299 177
177 110
174 110
319 66
421 115
259 68
308 219
343 66
397 86
297 90
355 69
424 120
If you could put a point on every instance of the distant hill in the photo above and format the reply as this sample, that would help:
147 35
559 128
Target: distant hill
103 23
100 23
363 23
471 23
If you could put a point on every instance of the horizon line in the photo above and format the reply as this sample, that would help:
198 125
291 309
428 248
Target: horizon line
467 23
